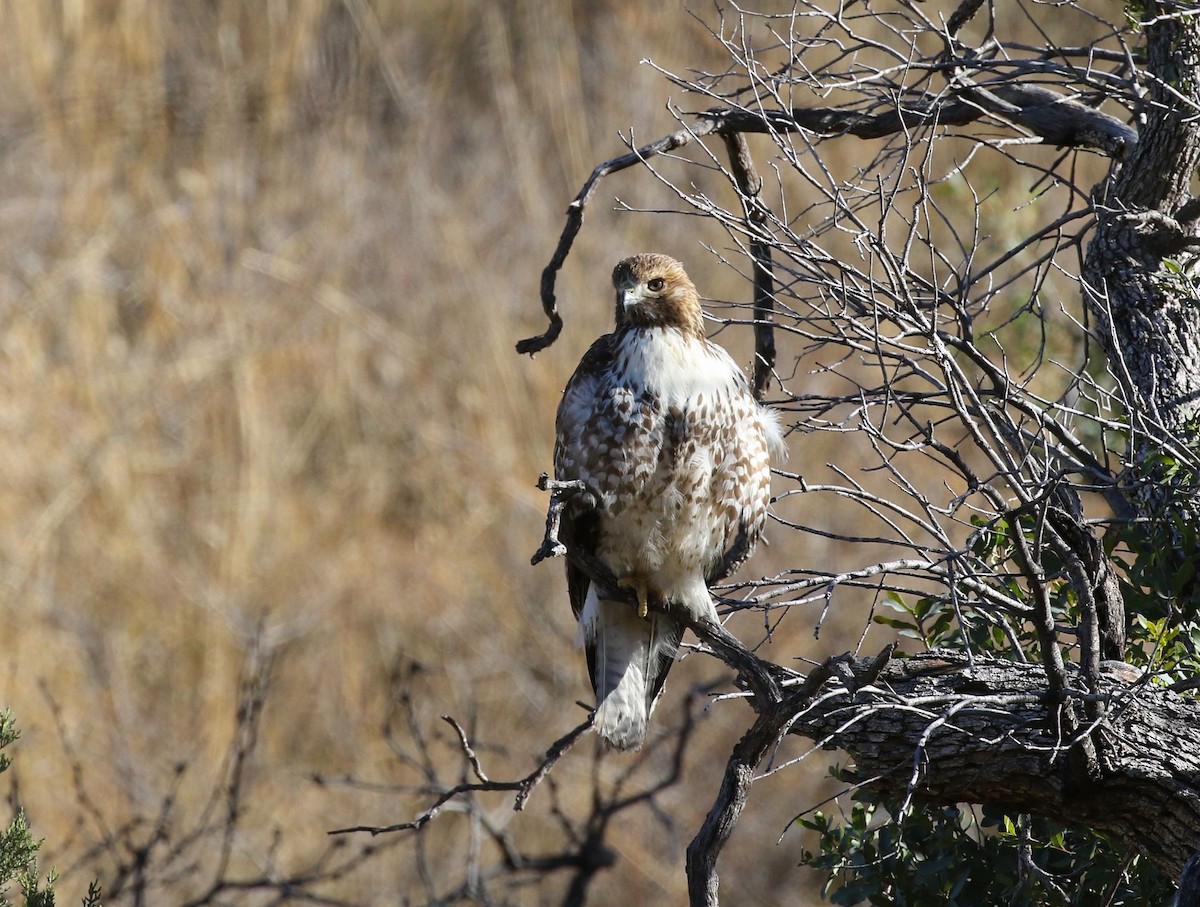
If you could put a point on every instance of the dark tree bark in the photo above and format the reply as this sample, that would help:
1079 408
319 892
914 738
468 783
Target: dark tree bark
1148 317
1189 884
947 732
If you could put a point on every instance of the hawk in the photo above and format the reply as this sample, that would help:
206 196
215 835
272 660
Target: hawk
660 427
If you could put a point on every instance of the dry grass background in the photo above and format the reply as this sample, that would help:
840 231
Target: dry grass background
262 267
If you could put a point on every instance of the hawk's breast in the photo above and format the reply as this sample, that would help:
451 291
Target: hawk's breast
671 440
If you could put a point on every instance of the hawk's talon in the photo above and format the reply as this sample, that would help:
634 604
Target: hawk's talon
638 585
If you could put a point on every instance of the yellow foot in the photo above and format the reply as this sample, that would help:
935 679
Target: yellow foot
638 585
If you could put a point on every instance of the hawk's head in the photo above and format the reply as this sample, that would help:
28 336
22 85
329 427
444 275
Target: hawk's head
653 290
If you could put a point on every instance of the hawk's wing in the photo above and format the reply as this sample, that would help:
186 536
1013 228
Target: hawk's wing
735 555
575 458
750 433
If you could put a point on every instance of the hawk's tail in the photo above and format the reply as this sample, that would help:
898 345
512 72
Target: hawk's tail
628 657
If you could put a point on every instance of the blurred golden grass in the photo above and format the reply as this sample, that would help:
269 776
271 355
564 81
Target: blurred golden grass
261 272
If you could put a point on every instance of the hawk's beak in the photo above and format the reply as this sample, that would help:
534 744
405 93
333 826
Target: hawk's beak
630 298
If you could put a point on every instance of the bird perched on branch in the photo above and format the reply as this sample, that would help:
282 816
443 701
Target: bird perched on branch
660 427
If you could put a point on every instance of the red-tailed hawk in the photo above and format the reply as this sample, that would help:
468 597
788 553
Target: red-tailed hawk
661 428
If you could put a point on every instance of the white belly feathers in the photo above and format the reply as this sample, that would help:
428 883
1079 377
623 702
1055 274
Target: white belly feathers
682 404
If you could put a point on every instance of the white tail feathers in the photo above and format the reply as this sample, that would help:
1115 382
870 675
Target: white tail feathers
629 655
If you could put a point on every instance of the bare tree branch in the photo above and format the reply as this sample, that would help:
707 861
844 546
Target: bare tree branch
523 786
749 185
1057 120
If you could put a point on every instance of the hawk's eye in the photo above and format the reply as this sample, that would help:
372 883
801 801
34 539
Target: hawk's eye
655 284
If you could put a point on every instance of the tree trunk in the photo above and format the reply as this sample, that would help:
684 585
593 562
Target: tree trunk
1147 314
986 733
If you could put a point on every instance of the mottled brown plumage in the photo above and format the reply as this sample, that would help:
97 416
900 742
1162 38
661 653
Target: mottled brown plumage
661 426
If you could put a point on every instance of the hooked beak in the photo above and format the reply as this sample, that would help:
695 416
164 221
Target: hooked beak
630 297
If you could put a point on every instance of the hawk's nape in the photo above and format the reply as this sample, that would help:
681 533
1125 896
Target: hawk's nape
661 427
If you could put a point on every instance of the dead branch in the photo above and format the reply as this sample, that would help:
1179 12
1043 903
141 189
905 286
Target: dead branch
749 185
561 495
522 786
1053 118
575 213
772 722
